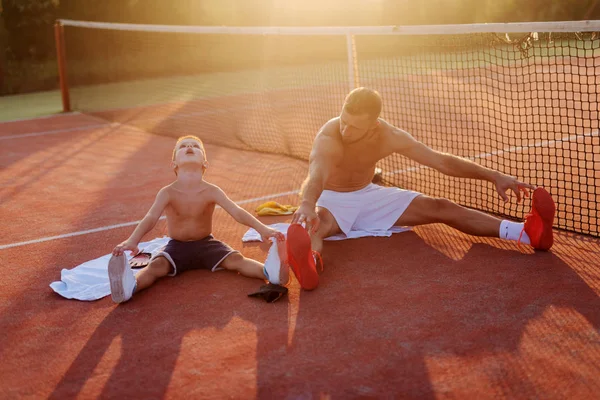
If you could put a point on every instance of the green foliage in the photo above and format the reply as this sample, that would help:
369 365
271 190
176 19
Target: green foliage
534 10
28 25
29 76
27 40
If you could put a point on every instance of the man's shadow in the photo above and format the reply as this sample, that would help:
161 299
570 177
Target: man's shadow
387 311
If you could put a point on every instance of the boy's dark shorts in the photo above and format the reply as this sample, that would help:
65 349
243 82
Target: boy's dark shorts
205 253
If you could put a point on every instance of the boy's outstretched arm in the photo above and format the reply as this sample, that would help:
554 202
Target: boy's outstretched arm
244 217
145 225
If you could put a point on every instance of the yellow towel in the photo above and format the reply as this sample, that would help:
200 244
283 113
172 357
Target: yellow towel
274 208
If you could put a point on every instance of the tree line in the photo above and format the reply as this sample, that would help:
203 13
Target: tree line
26 34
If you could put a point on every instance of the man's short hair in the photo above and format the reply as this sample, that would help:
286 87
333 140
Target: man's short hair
363 101
188 137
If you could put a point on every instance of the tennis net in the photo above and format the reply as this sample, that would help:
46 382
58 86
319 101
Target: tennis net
519 98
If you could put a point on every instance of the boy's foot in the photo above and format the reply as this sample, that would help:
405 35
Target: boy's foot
122 280
301 257
276 264
538 223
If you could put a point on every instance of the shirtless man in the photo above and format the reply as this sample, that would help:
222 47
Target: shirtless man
189 203
338 195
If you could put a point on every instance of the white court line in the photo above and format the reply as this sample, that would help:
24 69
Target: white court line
175 116
514 149
109 227
57 131
62 114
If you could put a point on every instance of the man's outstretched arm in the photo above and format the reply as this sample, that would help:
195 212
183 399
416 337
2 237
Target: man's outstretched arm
324 155
403 143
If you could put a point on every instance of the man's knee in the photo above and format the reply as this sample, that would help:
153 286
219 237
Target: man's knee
443 206
441 210
159 267
427 210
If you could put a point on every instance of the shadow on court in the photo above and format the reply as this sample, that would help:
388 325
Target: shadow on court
391 317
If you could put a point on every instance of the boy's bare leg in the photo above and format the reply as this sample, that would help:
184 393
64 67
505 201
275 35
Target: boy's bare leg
157 268
245 266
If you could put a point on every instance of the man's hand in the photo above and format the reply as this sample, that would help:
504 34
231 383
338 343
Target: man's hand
505 182
120 248
266 233
307 214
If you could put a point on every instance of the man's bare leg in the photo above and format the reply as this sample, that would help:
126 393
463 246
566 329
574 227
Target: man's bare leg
427 210
327 227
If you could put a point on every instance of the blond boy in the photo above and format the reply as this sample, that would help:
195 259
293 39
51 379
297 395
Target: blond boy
188 203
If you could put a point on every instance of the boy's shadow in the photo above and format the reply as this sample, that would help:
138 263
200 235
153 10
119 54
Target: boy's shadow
210 326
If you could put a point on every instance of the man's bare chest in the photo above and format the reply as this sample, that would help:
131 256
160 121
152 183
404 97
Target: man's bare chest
357 159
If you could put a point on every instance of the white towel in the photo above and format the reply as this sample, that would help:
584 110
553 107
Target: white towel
252 235
89 281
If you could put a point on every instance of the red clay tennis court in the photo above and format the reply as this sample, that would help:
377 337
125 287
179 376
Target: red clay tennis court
429 313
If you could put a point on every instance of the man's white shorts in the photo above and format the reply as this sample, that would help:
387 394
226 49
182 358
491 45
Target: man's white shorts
371 208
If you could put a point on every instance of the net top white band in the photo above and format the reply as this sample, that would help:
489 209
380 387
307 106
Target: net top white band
520 27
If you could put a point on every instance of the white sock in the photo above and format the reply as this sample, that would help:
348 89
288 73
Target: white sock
513 231
272 268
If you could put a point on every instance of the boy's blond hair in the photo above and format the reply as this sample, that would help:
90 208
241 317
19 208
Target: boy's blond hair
181 138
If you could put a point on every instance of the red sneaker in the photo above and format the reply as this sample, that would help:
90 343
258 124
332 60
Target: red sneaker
301 257
538 223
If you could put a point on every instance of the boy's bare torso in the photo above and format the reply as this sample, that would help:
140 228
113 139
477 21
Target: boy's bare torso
356 167
189 212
